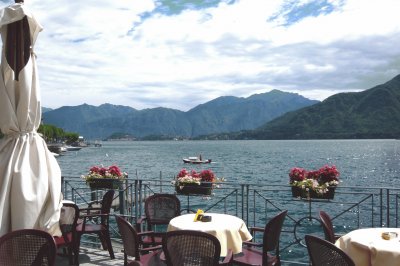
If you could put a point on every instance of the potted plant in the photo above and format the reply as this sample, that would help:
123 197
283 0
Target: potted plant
105 177
319 183
191 182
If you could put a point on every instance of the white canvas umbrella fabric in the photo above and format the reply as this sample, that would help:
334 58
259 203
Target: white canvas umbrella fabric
30 177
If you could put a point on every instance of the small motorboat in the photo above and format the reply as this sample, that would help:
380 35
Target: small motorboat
195 160
57 148
72 148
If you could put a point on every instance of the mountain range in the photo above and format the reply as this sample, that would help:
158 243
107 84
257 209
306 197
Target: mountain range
373 113
223 114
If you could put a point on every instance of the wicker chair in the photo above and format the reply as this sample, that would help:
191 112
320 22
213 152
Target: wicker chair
260 253
131 243
68 240
27 247
188 247
328 227
324 253
96 221
159 210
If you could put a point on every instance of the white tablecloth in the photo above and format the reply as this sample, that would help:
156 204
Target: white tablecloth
367 247
230 230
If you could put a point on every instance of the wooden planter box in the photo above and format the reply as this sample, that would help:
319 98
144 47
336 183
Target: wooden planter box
302 193
107 183
194 189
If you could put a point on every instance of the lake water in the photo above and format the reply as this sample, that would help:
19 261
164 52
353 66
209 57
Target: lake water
360 162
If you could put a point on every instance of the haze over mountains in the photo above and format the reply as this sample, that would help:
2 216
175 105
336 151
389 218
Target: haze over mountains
223 114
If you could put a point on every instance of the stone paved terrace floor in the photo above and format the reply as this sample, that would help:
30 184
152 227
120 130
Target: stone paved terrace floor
92 256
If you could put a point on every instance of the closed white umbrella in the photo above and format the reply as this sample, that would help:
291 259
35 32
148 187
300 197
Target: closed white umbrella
30 177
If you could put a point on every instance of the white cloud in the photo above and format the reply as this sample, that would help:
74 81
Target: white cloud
123 52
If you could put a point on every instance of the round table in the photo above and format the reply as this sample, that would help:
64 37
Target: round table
367 247
230 230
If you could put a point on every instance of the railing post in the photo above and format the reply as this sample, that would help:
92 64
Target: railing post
387 207
63 185
243 202
121 198
140 196
160 181
72 194
396 208
135 196
381 208
247 201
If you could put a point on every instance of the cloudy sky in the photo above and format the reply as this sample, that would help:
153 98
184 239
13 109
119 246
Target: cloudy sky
181 53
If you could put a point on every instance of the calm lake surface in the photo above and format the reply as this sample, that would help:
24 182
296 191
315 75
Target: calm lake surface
360 162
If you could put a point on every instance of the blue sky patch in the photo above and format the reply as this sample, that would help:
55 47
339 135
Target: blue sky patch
293 11
175 7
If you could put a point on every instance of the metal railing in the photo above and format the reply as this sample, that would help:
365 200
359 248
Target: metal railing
351 208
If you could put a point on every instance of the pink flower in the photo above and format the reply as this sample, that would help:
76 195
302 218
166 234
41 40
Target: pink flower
105 172
185 177
328 173
297 174
114 170
207 176
182 173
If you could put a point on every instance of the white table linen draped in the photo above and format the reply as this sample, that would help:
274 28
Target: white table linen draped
30 177
230 230
367 247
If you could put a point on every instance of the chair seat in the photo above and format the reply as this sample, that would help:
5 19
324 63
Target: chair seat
252 256
152 259
91 228
148 241
60 240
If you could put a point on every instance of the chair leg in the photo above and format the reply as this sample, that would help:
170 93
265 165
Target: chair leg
70 256
110 248
105 238
76 254
103 241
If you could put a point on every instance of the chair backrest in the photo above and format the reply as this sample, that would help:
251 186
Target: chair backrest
69 218
130 238
161 208
323 252
106 204
27 247
327 226
272 233
188 247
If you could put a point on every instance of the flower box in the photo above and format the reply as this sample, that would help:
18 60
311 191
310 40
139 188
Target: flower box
320 184
107 183
302 193
195 189
105 177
